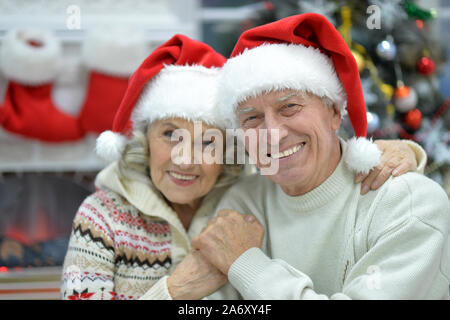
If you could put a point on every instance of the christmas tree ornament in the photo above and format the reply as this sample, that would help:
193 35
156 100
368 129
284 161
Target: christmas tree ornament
415 12
428 95
111 56
405 98
386 49
359 60
370 97
387 90
419 24
426 66
31 60
373 122
413 119
346 26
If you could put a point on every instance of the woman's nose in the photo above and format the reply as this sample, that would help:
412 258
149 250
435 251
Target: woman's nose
186 166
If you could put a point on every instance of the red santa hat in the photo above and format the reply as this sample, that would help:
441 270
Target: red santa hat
179 79
306 53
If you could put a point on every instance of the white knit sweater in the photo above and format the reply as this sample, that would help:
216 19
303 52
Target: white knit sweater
333 243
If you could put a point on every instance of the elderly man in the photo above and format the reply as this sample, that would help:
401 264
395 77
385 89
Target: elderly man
316 236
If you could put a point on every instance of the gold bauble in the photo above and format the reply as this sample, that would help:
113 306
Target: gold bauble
359 60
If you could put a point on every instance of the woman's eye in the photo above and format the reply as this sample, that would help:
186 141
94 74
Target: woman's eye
251 121
207 143
169 134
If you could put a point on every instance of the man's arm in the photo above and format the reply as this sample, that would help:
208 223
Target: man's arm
407 256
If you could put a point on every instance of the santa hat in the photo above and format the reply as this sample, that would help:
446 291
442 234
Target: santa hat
177 80
306 53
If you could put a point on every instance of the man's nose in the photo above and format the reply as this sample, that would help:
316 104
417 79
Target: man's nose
276 130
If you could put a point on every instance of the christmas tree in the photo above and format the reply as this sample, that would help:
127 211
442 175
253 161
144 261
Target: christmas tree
399 59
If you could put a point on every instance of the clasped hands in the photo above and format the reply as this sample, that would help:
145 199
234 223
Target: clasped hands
204 270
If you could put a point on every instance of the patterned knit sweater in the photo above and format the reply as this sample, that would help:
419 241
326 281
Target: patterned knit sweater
126 240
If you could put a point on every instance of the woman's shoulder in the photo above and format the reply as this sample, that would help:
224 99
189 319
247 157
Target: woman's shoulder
107 204
115 209
106 198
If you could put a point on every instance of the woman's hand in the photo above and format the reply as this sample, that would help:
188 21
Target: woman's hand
195 278
397 158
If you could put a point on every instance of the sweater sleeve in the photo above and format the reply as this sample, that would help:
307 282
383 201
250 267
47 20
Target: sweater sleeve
421 155
88 270
407 255
158 291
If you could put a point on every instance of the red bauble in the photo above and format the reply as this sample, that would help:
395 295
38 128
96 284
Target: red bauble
413 119
426 66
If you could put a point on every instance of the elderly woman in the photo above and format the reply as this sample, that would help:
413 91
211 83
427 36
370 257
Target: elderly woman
130 235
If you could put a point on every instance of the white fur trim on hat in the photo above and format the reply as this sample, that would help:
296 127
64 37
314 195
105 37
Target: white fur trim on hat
188 92
116 52
22 62
110 145
361 155
272 67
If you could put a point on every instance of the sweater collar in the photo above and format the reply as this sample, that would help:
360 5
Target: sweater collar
140 192
325 193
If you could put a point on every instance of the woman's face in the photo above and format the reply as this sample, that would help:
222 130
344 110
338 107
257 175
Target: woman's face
180 183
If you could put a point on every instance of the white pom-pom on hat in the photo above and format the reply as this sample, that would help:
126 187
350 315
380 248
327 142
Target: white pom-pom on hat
361 155
110 145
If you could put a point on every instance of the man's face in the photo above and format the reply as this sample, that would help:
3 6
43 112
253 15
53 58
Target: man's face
309 148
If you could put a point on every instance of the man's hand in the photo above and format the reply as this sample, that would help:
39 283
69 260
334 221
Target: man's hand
194 278
397 158
228 236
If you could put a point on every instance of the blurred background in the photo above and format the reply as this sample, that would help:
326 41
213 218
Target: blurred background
74 54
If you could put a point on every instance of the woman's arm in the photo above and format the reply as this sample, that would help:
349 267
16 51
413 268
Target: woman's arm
398 157
88 271
194 278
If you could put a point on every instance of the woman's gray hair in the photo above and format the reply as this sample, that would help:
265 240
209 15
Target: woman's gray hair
135 160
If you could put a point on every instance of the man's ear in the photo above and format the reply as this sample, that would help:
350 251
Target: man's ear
336 118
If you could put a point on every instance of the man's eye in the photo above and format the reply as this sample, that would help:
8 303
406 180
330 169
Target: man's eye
290 109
